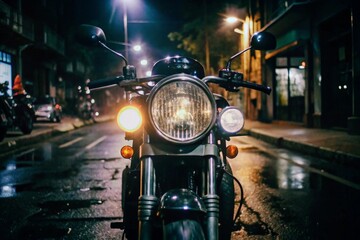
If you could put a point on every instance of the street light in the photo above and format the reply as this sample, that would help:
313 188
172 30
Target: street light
243 45
143 62
125 30
233 20
137 48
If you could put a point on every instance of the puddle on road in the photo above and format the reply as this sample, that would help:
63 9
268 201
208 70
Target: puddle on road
284 175
28 158
7 191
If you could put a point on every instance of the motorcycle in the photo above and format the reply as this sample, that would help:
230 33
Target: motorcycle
15 112
86 105
179 184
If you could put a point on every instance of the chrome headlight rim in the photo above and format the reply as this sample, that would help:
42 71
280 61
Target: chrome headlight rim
190 79
221 126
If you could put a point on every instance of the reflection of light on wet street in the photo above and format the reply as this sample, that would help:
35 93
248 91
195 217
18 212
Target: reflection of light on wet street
7 191
17 170
10 166
290 176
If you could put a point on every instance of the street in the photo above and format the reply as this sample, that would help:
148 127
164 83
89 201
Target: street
69 187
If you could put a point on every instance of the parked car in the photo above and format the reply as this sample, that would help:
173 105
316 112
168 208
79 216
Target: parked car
46 108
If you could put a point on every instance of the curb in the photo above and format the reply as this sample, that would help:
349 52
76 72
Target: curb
337 157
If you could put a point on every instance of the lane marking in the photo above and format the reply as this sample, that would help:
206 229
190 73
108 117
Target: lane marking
70 142
93 144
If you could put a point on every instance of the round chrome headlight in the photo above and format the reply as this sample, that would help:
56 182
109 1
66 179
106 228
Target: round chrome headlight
181 108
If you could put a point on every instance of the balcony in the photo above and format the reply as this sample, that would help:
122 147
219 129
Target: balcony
52 40
284 5
75 67
18 29
12 23
286 15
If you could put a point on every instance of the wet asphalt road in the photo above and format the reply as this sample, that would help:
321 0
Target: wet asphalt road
70 188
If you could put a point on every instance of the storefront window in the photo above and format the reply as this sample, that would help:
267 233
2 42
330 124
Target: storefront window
282 87
290 89
5 70
297 82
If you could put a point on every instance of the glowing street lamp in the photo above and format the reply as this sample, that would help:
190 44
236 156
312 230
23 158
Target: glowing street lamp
233 20
137 48
148 73
144 62
125 30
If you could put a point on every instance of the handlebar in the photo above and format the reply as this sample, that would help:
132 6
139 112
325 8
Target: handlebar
105 82
122 81
231 84
255 86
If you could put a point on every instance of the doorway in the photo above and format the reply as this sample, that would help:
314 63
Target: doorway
336 71
290 89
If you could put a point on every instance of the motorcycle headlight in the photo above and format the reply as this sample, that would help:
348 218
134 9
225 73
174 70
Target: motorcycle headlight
231 120
129 119
181 108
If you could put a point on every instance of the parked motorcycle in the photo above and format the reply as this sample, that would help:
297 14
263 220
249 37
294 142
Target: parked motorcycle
86 105
15 112
179 184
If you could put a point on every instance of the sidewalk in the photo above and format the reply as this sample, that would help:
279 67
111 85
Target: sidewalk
332 145
335 146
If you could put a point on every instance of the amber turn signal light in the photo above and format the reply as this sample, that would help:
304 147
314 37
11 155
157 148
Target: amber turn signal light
231 151
127 152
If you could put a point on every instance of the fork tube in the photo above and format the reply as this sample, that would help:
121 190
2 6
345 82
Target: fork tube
211 199
147 200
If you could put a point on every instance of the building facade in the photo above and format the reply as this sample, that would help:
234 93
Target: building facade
32 44
314 71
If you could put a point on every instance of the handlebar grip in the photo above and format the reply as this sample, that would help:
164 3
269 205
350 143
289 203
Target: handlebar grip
234 83
262 88
105 82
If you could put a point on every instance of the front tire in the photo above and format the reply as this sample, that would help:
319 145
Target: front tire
184 229
25 122
227 203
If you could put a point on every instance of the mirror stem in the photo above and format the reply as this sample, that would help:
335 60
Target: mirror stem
228 65
116 53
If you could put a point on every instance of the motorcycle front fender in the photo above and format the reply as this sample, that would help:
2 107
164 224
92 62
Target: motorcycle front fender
177 200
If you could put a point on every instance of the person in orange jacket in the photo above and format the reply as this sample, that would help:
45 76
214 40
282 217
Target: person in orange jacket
18 88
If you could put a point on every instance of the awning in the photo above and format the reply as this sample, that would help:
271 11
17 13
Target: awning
287 30
281 49
286 20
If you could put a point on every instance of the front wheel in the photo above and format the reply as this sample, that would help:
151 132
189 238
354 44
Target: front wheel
184 229
25 122
226 204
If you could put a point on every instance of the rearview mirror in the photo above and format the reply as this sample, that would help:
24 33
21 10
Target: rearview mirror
90 35
263 41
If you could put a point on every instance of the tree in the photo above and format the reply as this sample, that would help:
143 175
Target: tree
205 39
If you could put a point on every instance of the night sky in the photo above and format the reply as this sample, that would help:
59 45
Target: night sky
149 21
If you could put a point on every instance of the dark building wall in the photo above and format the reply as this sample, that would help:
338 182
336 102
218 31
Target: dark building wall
321 32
